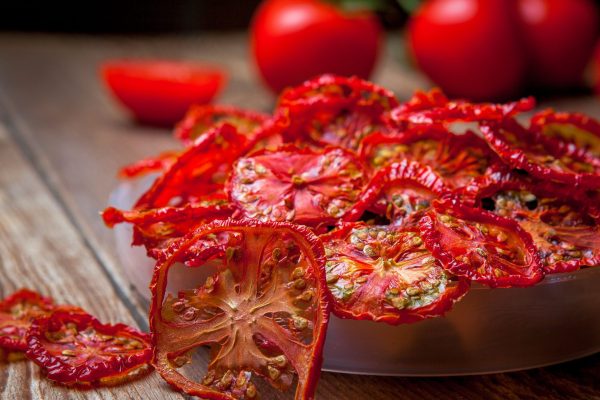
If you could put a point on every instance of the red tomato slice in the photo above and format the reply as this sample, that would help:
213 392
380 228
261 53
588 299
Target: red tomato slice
332 110
74 348
574 132
159 92
263 313
199 172
159 163
17 311
201 118
299 185
386 274
565 230
456 158
519 148
402 191
481 246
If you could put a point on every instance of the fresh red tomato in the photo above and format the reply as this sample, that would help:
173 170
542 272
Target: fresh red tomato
470 48
160 92
294 40
560 36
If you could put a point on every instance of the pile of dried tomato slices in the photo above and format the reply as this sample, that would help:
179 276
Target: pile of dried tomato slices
346 200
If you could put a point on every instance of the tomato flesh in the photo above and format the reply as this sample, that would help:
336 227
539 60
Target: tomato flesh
302 186
263 312
74 348
386 274
481 246
17 311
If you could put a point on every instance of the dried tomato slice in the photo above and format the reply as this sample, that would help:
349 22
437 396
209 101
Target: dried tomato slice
201 118
565 230
386 274
159 163
74 348
17 311
456 158
433 107
576 133
263 312
299 185
156 229
402 191
332 110
199 172
519 148
481 246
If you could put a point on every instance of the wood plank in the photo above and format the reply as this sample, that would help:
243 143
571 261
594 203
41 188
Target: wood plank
80 138
40 249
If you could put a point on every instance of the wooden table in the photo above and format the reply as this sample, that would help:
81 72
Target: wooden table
61 141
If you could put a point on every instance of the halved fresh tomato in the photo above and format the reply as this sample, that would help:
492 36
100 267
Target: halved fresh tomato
565 230
402 191
576 133
456 158
263 313
299 185
520 148
74 348
199 172
334 110
481 246
157 228
159 92
386 274
201 118
17 311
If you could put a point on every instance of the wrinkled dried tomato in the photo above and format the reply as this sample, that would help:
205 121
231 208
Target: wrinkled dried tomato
299 185
402 191
74 348
201 118
16 313
456 158
519 148
159 163
565 229
331 110
386 274
481 246
262 311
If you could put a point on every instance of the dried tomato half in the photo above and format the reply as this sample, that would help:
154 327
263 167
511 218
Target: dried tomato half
481 246
16 313
262 311
520 148
199 172
565 230
300 185
402 191
576 133
456 158
201 118
332 110
156 229
74 348
386 274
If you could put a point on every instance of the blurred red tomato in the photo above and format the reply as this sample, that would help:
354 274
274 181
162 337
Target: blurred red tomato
294 40
159 92
560 36
470 48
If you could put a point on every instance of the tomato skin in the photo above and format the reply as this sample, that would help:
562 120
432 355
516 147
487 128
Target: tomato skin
159 92
294 40
560 36
470 48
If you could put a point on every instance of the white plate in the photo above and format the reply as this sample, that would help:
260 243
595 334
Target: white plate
490 330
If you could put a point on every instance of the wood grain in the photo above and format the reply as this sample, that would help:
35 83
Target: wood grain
75 138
